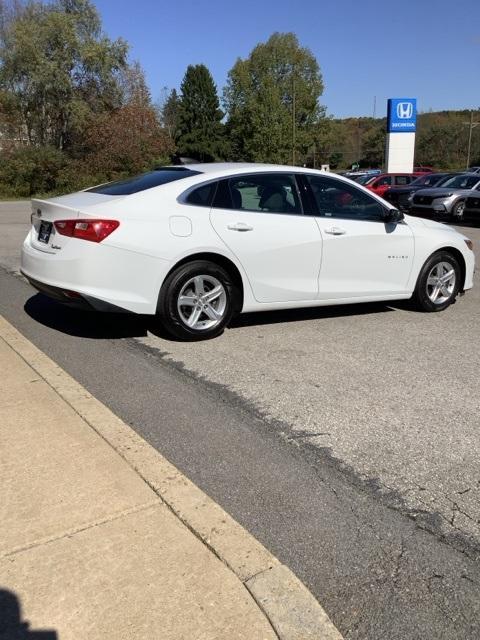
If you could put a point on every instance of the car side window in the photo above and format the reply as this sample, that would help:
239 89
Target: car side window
264 192
383 181
336 199
202 196
402 180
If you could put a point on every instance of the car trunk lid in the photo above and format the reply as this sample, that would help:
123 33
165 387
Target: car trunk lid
45 213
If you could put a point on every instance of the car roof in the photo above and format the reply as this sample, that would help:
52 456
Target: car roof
394 173
220 167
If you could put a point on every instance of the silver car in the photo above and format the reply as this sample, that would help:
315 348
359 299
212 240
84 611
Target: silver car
447 201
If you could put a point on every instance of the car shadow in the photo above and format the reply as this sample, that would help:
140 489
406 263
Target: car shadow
83 323
110 326
471 224
312 313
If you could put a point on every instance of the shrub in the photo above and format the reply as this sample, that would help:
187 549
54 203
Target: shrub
26 171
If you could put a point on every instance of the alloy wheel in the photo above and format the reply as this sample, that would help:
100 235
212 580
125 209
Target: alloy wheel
202 302
441 282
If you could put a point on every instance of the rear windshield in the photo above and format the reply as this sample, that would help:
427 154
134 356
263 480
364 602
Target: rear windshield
144 181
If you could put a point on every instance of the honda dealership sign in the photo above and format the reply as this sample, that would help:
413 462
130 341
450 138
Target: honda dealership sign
401 115
401 126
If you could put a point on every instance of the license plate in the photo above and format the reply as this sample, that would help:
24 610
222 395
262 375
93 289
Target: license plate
44 232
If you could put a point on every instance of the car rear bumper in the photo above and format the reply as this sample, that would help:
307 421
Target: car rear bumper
73 298
96 276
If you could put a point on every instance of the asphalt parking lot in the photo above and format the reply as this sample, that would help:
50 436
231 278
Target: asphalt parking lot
391 395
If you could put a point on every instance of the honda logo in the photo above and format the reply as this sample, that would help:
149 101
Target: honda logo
404 110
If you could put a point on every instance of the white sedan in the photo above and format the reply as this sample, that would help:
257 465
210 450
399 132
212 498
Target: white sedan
195 244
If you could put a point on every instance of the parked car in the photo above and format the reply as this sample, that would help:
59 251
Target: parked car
472 207
398 196
195 244
422 169
364 179
386 180
447 200
360 175
474 170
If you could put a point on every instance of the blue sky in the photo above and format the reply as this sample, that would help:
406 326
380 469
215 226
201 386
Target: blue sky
428 49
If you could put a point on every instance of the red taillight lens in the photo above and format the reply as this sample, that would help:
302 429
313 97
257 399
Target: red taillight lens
93 230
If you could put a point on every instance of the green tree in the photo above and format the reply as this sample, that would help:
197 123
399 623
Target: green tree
57 69
199 131
169 113
271 99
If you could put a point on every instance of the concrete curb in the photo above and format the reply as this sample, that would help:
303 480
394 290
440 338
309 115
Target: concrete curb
291 609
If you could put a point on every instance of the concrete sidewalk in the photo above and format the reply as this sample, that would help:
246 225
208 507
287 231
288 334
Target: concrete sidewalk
90 549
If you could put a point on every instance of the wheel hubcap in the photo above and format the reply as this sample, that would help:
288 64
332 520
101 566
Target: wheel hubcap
202 302
441 282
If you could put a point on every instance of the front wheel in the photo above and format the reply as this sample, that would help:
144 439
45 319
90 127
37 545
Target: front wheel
197 301
438 283
458 211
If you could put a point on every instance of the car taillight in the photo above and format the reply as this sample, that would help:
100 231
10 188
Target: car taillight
92 230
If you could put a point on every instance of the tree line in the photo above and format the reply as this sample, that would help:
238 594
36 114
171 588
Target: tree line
74 111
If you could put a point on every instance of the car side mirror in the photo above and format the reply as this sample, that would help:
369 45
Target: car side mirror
392 215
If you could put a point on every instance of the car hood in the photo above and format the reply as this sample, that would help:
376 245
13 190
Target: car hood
405 189
439 192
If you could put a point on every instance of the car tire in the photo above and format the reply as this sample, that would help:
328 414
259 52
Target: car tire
458 211
438 283
209 296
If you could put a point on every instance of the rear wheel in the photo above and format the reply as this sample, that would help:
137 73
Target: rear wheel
438 283
197 301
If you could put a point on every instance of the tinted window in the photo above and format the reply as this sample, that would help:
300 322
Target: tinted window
262 192
382 181
144 181
223 198
337 199
402 180
202 196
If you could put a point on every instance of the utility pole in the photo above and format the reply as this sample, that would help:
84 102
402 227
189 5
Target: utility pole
294 124
374 106
472 126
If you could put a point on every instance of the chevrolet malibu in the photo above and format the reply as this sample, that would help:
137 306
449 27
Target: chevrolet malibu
195 244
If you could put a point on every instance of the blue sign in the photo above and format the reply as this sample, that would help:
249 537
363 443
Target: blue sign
401 115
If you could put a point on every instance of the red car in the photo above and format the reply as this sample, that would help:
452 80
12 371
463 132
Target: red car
423 169
379 184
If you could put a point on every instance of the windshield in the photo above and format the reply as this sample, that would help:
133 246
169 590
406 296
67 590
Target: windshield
366 179
461 182
430 180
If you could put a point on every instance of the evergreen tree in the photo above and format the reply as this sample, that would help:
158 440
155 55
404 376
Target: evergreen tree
199 128
169 113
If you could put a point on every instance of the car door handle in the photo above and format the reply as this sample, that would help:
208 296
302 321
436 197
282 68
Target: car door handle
335 231
239 226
